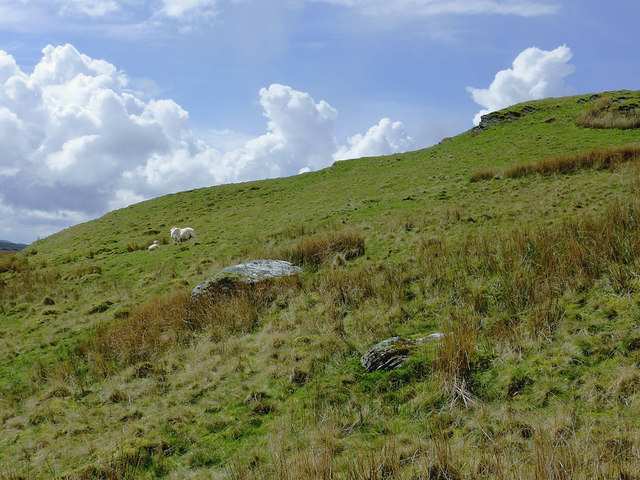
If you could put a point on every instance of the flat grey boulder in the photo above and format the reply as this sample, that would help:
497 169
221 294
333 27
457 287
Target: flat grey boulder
246 273
391 353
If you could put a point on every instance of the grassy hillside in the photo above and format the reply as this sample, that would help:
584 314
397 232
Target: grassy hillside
519 239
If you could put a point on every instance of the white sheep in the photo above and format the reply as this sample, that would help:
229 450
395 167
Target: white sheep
180 234
154 245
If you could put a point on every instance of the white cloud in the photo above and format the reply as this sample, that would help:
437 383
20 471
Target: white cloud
91 8
385 138
26 225
396 8
180 8
75 142
535 74
30 14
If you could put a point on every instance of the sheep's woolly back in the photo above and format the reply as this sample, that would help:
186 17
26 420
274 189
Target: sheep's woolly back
180 234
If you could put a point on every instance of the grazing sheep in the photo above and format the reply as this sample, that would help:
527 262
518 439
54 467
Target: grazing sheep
180 234
154 245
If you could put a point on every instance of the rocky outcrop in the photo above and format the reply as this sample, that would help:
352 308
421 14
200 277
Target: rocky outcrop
392 352
500 117
245 274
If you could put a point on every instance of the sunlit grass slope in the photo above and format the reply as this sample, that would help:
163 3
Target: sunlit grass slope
520 239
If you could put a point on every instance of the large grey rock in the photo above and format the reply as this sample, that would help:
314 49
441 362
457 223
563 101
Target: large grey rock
246 273
392 352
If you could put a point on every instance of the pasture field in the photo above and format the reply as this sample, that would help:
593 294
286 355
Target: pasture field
520 241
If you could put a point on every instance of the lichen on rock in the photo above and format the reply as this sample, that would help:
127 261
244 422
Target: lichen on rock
391 353
245 274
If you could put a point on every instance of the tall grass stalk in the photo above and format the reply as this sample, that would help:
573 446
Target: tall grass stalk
455 354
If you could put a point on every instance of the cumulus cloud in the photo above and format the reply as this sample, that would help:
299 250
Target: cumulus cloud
535 74
385 138
75 142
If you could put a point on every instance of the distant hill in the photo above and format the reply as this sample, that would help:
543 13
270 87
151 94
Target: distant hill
7 246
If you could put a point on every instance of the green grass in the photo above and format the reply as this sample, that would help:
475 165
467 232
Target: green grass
108 371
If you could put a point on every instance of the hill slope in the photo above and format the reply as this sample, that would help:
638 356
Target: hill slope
108 371
6 246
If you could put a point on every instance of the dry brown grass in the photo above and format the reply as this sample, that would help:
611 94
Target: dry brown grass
343 291
606 114
12 262
455 354
25 280
524 273
323 247
389 458
559 456
485 174
164 323
147 331
600 158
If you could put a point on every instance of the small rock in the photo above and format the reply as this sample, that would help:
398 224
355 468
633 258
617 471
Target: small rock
433 336
387 355
246 273
392 352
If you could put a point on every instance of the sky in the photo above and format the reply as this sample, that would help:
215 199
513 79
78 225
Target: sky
105 103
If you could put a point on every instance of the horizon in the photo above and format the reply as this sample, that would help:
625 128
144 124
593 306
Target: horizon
105 103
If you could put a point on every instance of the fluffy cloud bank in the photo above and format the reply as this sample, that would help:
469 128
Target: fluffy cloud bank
75 142
535 74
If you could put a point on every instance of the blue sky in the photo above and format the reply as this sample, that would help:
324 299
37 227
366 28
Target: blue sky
108 102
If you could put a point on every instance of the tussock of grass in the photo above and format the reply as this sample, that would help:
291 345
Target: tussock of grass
601 158
607 158
485 174
607 114
455 356
12 262
344 290
323 247
151 329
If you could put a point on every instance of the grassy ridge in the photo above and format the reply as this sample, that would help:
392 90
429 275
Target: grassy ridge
108 371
